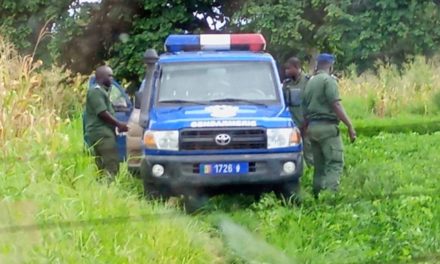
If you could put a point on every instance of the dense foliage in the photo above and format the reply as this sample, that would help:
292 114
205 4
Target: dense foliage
22 21
358 32
85 34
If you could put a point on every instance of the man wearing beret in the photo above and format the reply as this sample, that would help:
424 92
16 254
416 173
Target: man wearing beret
322 112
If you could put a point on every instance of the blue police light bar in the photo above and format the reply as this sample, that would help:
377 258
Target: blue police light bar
248 42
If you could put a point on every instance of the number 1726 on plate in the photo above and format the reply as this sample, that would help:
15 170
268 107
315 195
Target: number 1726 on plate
224 168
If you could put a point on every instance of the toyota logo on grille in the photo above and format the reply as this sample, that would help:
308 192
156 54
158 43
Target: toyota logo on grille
223 139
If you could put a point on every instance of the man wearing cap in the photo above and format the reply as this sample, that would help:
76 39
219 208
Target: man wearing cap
297 79
323 111
101 123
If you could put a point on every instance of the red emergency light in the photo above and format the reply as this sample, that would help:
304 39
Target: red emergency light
218 42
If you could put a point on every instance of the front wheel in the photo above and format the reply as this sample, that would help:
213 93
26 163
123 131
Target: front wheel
289 191
155 192
194 200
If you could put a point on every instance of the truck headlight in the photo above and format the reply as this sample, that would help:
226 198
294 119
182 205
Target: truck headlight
283 137
164 140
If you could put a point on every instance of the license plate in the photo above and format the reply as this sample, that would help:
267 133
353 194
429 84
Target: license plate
224 168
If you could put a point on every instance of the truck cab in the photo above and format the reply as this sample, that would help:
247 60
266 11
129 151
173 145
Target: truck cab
213 114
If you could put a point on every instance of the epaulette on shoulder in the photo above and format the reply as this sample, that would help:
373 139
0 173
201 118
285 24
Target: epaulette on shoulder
334 77
99 88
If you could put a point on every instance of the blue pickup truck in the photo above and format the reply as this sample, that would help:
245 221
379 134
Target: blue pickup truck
212 115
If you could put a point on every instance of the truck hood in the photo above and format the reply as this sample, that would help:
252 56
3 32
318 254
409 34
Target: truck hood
177 117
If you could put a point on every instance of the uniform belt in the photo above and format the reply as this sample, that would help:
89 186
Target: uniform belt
324 122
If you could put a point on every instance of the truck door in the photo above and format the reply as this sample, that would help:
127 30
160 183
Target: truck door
123 108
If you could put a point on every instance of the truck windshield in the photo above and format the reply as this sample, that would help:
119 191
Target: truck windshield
212 82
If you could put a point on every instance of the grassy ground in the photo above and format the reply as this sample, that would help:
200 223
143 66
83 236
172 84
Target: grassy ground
56 182
386 212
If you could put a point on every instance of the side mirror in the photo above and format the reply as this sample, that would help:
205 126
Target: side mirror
137 99
293 97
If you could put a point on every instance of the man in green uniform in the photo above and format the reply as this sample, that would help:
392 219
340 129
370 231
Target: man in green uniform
323 111
101 123
297 79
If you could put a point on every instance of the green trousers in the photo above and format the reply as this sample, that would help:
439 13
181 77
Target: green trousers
307 150
327 150
106 155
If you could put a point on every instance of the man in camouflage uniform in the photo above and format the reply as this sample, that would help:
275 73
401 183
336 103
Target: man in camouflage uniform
323 111
101 123
297 79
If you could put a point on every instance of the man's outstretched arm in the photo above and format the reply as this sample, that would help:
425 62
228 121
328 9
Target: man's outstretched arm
342 115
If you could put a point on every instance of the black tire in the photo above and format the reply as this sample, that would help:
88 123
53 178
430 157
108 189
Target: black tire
257 192
155 191
194 200
290 192
151 192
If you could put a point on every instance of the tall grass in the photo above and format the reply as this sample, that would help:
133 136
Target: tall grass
33 100
414 89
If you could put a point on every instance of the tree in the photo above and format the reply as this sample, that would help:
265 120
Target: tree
119 32
84 35
22 21
290 27
358 32
388 30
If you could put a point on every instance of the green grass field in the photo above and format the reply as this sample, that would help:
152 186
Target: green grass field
387 211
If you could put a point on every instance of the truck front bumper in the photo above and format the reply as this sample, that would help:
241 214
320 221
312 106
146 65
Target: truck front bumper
184 170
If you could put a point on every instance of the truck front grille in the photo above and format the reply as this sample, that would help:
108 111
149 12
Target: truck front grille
240 138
